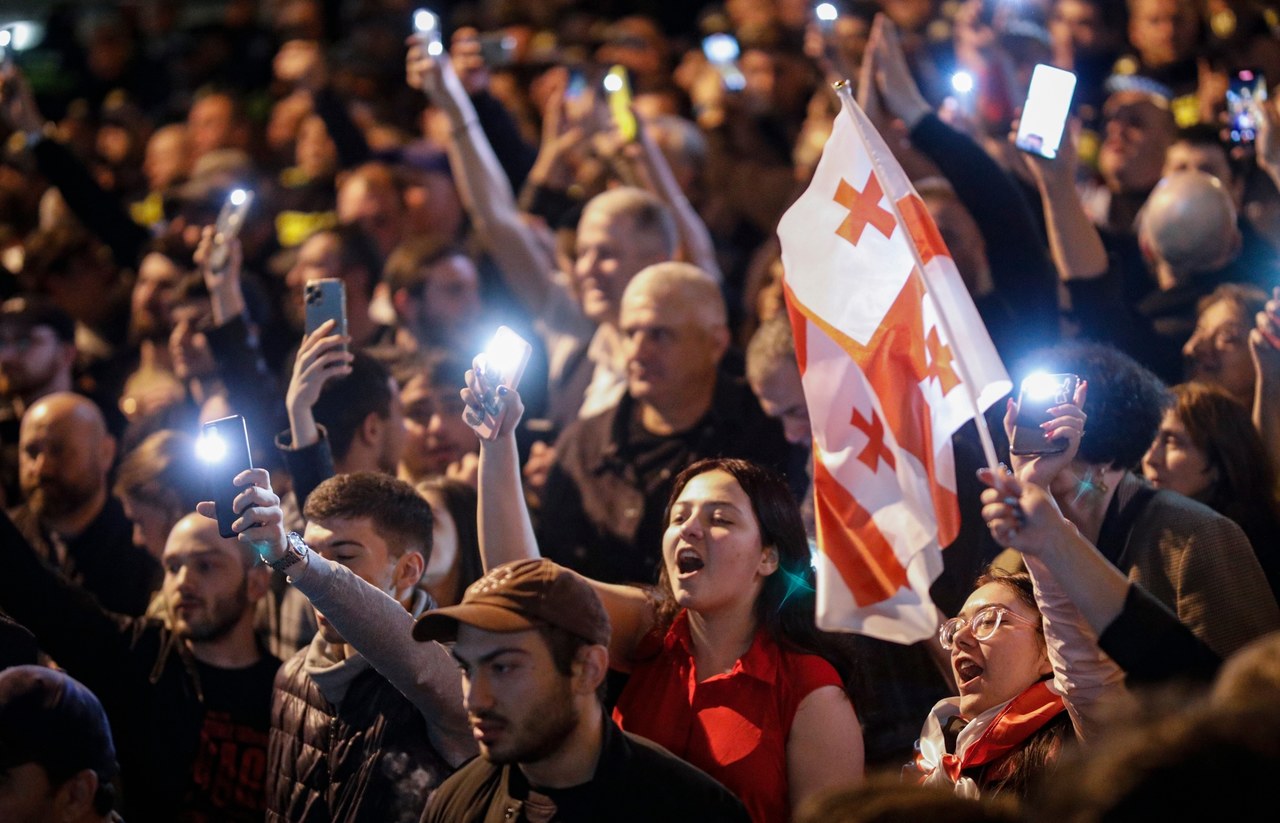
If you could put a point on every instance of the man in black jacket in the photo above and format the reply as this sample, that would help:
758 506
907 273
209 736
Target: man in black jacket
532 640
603 503
188 701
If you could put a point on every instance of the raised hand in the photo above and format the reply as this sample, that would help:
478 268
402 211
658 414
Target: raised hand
320 359
261 522
1020 515
1067 422
492 411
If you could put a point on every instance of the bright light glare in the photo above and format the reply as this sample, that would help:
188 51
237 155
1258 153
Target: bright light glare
211 448
20 35
502 356
6 37
424 20
238 196
612 83
435 48
1040 385
826 12
962 82
721 48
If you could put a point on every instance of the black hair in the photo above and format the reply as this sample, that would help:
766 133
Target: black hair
564 646
1125 402
345 402
399 514
461 501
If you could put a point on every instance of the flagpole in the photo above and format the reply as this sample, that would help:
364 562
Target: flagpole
842 88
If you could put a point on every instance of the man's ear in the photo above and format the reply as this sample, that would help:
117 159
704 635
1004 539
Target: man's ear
370 431
407 572
590 666
74 799
720 340
258 576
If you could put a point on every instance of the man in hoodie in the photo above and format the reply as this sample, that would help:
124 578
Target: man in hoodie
346 743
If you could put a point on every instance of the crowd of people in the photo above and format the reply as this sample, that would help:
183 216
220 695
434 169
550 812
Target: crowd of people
440 595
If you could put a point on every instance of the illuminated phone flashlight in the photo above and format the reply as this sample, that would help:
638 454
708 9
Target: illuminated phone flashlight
428 27
1040 386
613 82
238 196
826 14
962 82
721 48
6 38
210 447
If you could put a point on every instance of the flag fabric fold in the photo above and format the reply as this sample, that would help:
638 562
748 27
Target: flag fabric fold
893 359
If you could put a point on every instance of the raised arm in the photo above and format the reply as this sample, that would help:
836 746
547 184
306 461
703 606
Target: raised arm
1074 241
1264 345
526 263
506 532
695 239
372 622
1079 594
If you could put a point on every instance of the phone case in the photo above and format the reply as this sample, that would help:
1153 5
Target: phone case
325 300
620 102
233 458
230 221
1028 437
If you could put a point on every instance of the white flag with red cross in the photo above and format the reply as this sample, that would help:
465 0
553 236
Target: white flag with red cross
894 359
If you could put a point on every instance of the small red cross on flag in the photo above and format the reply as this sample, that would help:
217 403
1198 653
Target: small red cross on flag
876 449
864 207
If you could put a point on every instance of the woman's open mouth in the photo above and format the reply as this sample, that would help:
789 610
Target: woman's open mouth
689 562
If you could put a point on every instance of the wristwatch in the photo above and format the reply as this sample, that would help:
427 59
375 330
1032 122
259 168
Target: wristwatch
295 551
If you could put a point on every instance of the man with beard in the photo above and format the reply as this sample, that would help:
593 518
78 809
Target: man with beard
70 516
189 698
532 642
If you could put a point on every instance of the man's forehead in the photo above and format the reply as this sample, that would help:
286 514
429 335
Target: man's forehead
474 642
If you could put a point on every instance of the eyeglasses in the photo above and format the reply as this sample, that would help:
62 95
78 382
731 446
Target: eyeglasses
983 624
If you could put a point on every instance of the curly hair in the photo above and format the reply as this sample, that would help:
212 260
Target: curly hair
1125 402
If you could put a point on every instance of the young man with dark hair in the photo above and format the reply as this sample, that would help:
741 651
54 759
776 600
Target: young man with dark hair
346 743
548 750
57 757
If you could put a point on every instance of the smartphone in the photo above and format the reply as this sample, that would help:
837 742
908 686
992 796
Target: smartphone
617 86
722 51
1039 393
826 15
426 25
326 299
1044 117
576 86
6 48
498 49
502 364
230 221
1246 90
223 447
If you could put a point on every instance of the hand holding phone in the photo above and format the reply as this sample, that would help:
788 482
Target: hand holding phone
230 221
1044 116
326 299
1039 393
501 364
223 447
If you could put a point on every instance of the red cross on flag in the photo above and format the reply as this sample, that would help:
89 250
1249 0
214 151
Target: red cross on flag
894 359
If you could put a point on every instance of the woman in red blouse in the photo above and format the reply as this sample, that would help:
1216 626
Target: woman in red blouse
720 654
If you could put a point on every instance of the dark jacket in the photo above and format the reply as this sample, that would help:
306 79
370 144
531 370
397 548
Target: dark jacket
602 509
367 758
635 780
191 738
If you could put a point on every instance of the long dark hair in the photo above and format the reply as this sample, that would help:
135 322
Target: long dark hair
460 501
785 605
1216 423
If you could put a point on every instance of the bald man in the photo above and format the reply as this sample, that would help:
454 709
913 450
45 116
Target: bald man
189 697
69 514
607 490
1188 227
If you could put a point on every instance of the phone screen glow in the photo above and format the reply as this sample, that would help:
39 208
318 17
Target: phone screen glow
1045 114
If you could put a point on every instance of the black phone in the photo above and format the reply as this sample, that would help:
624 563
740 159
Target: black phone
426 27
326 299
1039 393
224 449
1246 91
